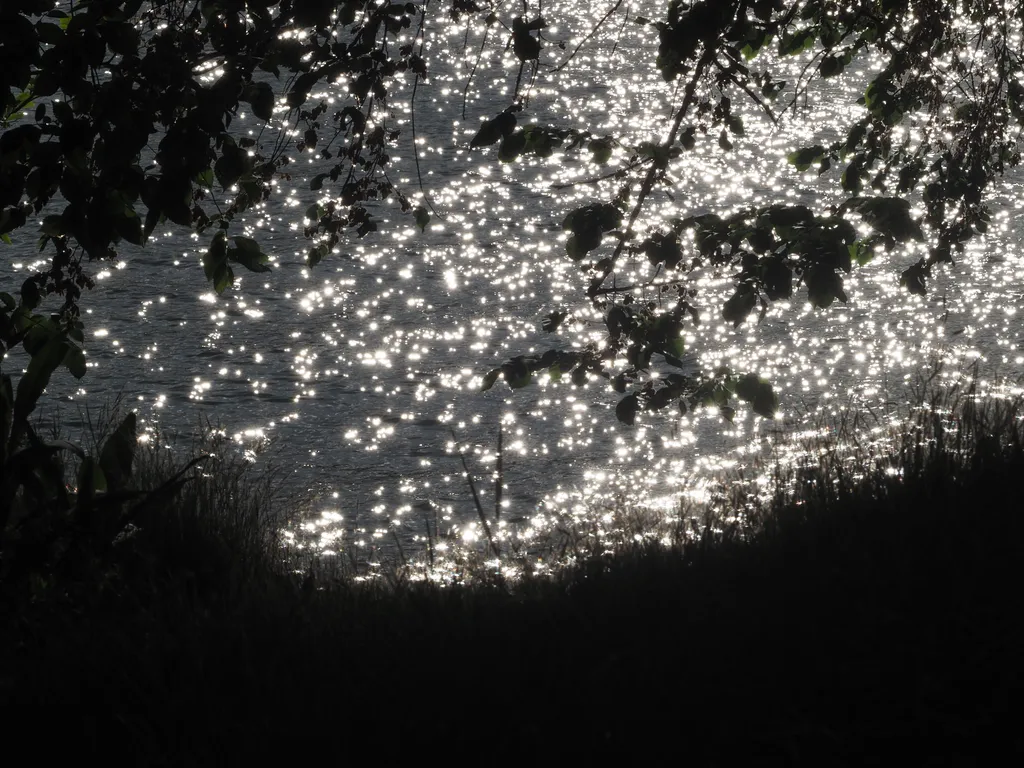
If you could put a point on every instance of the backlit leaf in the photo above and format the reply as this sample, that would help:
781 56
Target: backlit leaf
626 409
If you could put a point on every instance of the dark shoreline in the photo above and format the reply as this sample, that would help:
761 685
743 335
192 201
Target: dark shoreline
855 623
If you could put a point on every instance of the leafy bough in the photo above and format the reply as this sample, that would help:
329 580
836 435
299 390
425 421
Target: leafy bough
930 131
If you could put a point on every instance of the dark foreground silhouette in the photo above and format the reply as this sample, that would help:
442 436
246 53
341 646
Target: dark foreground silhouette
876 620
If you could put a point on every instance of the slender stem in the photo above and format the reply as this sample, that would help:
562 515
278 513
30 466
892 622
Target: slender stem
476 500
652 173
590 34
499 478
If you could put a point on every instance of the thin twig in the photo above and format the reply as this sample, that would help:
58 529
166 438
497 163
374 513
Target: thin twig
412 113
652 173
590 34
476 499
430 539
617 173
472 71
500 478
398 543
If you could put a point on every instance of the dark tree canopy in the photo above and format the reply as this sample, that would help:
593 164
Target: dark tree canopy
112 125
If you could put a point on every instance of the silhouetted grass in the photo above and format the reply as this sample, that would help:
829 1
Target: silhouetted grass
867 612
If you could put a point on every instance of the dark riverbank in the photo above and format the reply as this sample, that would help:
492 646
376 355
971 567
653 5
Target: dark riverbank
865 621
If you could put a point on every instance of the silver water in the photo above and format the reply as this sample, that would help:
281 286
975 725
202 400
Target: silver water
353 375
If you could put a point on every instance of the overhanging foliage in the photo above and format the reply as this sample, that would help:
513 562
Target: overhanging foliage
117 117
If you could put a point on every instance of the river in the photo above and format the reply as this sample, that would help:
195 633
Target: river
352 376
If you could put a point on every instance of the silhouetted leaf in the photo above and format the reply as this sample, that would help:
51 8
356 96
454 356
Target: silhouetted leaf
914 278
600 150
30 296
579 245
316 254
688 137
223 277
551 322
493 130
152 219
793 42
889 215
831 66
422 218
803 159
738 306
216 255
74 359
851 179
627 408
517 372
91 480
10 219
118 453
759 393
231 165
824 286
861 252
43 363
663 249
674 348
525 46
52 225
129 227
789 215
512 146
261 98
247 253
777 277
489 378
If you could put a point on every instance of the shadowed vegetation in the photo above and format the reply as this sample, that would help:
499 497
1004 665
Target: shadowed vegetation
867 610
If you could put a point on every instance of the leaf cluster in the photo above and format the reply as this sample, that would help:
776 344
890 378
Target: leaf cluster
936 122
117 117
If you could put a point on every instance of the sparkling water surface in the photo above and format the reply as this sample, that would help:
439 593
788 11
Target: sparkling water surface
352 376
